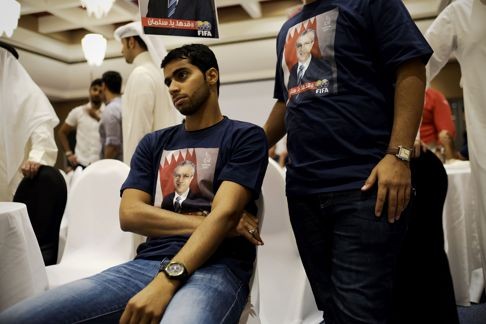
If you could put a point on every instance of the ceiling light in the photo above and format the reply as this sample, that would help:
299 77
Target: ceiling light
99 8
94 48
9 17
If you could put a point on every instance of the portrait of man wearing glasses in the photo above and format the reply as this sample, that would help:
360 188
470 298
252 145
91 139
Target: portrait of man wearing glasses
180 200
308 68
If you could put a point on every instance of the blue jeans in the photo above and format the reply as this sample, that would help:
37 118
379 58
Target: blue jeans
211 295
348 254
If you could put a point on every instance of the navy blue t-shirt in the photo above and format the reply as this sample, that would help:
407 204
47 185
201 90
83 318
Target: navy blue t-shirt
340 98
227 151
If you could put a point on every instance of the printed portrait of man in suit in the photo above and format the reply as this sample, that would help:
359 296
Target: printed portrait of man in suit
182 199
308 65
193 18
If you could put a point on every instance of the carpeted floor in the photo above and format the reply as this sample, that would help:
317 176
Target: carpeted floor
475 314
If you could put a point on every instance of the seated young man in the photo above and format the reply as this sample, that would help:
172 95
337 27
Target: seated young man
194 267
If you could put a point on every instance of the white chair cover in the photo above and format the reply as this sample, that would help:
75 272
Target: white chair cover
70 178
284 291
94 239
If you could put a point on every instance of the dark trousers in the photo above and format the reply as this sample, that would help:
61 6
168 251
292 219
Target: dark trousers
348 254
424 293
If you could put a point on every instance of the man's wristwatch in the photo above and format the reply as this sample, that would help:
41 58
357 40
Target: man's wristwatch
401 152
174 270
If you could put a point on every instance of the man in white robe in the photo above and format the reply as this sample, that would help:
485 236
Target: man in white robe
27 125
460 29
146 104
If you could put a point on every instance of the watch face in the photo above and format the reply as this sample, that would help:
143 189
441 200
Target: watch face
174 269
404 153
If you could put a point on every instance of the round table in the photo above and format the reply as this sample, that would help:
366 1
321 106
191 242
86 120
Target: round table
22 270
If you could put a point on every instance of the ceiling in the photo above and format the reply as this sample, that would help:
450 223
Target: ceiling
49 38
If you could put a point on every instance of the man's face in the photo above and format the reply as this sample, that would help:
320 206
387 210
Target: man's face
126 50
304 46
182 178
96 94
187 86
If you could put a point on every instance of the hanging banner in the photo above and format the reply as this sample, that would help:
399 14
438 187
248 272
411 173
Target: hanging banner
189 18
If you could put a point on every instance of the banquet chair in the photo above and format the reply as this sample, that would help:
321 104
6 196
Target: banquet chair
284 291
94 239
252 307
45 196
70 178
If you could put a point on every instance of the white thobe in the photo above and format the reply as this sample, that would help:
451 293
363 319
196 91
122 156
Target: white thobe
146 104
460 29
27 124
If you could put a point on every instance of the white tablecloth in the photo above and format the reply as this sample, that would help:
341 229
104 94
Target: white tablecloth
22 270
461 234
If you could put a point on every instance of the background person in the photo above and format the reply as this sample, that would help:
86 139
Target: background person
111 119
27 125
85 120
146 105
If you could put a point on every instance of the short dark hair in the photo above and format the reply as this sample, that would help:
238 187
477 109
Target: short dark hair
10 48
113 81
198 55
140 42
96 82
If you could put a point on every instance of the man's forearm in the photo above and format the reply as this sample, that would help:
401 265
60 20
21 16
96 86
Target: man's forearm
227 208
137 215
409 101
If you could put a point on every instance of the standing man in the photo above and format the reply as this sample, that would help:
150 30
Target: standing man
193 268
146 105
111 119
85 120
349 145
460 30
27 125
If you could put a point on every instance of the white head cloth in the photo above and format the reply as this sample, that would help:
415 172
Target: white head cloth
23 107
154 43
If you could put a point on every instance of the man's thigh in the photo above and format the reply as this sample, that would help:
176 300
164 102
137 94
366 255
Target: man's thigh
364 249
348 254
212 295
97 299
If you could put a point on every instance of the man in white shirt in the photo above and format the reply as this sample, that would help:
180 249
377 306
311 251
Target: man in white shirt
27 125
85 120
146 105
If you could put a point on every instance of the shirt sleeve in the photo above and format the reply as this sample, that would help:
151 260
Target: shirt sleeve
112 126
141 174
395 34
442 37
72 118
248 161
43 146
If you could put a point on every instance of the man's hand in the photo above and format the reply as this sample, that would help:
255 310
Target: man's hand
73 161
30 169
248 228
419 147
150 303
394 186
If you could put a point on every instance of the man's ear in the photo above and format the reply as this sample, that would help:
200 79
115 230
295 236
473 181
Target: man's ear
212 76
131 42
